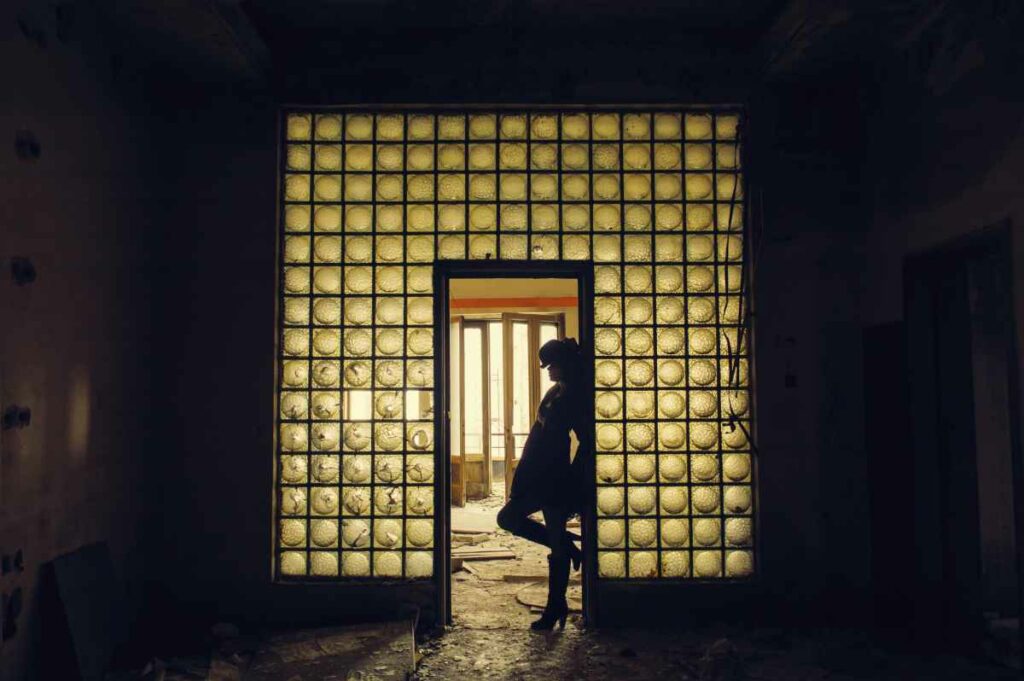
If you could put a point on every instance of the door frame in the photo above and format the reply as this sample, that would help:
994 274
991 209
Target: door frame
444 272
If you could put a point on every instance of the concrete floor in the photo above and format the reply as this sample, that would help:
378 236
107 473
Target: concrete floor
490 639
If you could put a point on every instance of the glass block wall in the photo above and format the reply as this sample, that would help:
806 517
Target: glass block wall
371 199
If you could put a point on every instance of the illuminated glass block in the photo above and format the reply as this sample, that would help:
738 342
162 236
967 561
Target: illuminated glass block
611 564
355 564
358 127
420 533
328 127
299 126
359 157
293 563
610 501
643 564
639 372
611 534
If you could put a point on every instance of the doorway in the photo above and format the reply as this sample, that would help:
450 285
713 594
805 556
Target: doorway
962 364
495 318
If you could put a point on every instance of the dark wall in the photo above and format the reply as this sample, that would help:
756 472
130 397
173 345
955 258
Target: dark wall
75 344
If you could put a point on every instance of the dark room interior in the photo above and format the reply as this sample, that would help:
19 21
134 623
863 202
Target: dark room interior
312 311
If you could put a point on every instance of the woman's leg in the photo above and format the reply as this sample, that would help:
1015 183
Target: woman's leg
558 562
514 517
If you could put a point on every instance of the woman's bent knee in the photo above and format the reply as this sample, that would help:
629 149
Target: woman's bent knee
507 520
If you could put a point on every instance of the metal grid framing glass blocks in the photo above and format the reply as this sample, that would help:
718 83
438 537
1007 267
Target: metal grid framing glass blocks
653 198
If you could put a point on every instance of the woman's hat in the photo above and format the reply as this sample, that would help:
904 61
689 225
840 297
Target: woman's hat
557 352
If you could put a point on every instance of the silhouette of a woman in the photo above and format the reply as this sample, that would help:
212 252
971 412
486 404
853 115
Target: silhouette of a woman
546 481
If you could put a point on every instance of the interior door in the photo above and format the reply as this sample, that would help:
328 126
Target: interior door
521 341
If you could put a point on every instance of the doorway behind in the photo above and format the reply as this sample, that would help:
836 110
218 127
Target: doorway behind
496 384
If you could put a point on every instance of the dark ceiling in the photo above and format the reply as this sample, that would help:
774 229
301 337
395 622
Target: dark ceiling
521 50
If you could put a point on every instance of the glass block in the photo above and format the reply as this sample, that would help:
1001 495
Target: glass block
420 469
293 501
643 564
512 247
607 218
387 533
513 217
671 467
389 437
667 156
667 125
356 469
611 534
703 467
734 435
357 436
544 126
675 532
296 217
323 500
641 500
671 436
543 156
698 186
513 187
667 187
608 373
324 533
296 187
451 127
739 563
611 564
610 467
512 156
575 187
739 532
544 248
636 126
451 187
355 564
575 218
421 127
419 564
544 218
293 563
325 468
611 501
298 126
575 157
643 533
483 218
388 501
294 437
735 402
640 404
358 127
640 467
451 247
387 564
294 469
390 127
575 126
483 247
640 437
675 499
638 342
606 126
698 217
483 126
707 564
697 126
323 563
420 501
607 248
357 374
482 157
420 533
575 247
605 157
609 437
707 532
298 156
636 156
675 564
639 372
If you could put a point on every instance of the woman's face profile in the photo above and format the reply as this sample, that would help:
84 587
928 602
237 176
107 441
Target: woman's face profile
555 372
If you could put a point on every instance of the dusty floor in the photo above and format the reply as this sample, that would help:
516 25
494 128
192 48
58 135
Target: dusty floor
490 639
